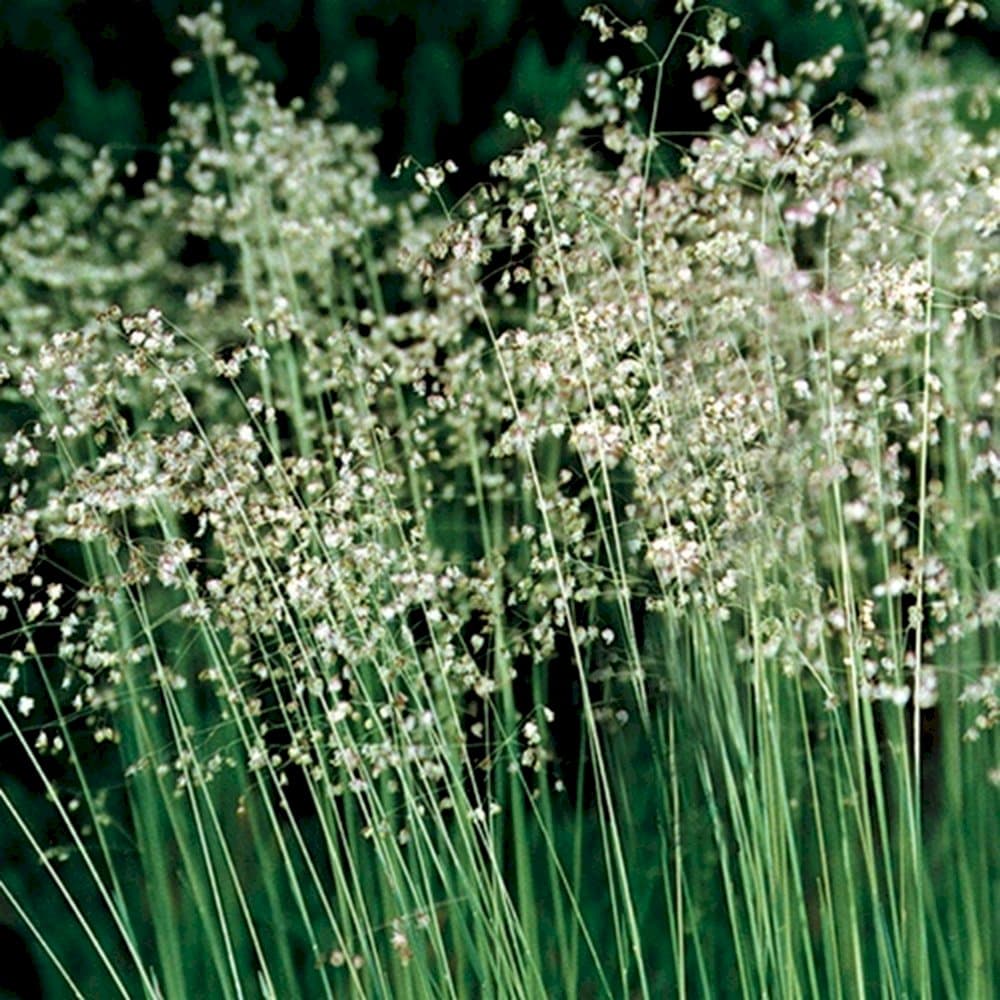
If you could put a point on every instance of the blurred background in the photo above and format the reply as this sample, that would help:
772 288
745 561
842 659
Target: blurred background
433 77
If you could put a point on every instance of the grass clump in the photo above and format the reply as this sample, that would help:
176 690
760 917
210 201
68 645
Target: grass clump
587 588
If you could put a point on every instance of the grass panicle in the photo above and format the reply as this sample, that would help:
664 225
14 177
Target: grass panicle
587 587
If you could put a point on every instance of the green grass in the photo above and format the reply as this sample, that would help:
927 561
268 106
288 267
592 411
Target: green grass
584 589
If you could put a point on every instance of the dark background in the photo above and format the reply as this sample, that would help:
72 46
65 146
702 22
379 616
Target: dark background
434 77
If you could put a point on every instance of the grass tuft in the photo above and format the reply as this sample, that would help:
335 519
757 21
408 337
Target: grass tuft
585 588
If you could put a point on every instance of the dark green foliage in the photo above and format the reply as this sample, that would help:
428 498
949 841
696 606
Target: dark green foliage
433 77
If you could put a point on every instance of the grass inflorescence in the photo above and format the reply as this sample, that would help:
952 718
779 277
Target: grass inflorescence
587 587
